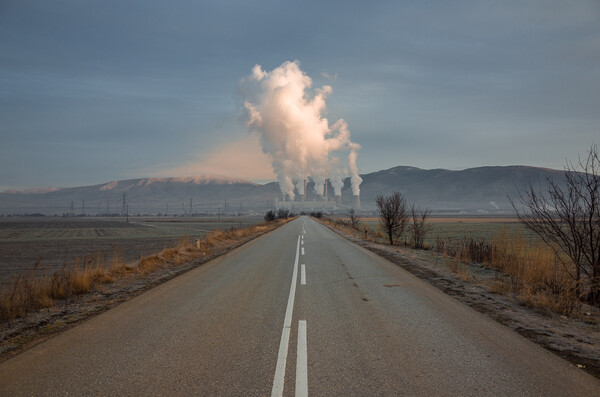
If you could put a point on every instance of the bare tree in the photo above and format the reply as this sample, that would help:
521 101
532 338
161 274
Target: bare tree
283 213
392 214
353 217
270 216
568 220
419 225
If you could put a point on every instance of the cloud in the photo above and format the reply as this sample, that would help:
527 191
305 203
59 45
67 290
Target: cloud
290 117
239 159
333 76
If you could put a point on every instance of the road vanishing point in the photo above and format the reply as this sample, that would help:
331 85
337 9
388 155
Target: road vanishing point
299 311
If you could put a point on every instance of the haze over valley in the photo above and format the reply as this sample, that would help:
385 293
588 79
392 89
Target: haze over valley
483 190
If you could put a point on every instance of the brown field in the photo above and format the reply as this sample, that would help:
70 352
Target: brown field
461 219
54 242
454 228
474 219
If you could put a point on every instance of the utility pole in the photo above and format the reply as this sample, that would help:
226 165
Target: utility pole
124 208
190 206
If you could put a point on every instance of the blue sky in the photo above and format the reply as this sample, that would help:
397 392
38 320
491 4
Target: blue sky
92 91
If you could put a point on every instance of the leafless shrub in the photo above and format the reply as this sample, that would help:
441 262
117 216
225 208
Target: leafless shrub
466 249
392 214
354 218
419 226
283 213
270 216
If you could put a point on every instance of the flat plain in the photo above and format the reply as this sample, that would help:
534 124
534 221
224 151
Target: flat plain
49 243
455 228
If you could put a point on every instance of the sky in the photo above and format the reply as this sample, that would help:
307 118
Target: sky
94 91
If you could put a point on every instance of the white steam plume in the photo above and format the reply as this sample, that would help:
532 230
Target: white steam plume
294 133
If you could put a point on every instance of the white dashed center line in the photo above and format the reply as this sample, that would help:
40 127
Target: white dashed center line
303 275
302 353
301 361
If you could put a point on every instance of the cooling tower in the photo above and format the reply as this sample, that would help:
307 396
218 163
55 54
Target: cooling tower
338 201
356 202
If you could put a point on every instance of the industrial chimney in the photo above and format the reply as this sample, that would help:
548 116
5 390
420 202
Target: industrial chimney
356 202
304 196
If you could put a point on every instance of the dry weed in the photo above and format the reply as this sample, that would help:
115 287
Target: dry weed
533 272
500 287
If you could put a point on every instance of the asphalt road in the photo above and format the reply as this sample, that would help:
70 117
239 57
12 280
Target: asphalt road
299 311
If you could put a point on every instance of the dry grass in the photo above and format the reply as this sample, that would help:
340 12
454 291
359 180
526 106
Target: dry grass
532 271
536 275
363 231
34 290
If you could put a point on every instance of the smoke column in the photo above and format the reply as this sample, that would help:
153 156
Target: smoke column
288 115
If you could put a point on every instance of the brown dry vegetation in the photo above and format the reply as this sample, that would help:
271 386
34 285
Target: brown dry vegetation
536 275
529 268
463 219
32 291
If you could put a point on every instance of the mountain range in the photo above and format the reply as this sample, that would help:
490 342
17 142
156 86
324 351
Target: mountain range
473 190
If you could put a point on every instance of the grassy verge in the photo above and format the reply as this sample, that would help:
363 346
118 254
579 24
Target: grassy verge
34 290
532 271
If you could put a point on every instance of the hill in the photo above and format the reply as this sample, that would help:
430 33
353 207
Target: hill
482 189
474 190
144 196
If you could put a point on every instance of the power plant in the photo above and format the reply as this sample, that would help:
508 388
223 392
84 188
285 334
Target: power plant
299 140
311 200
